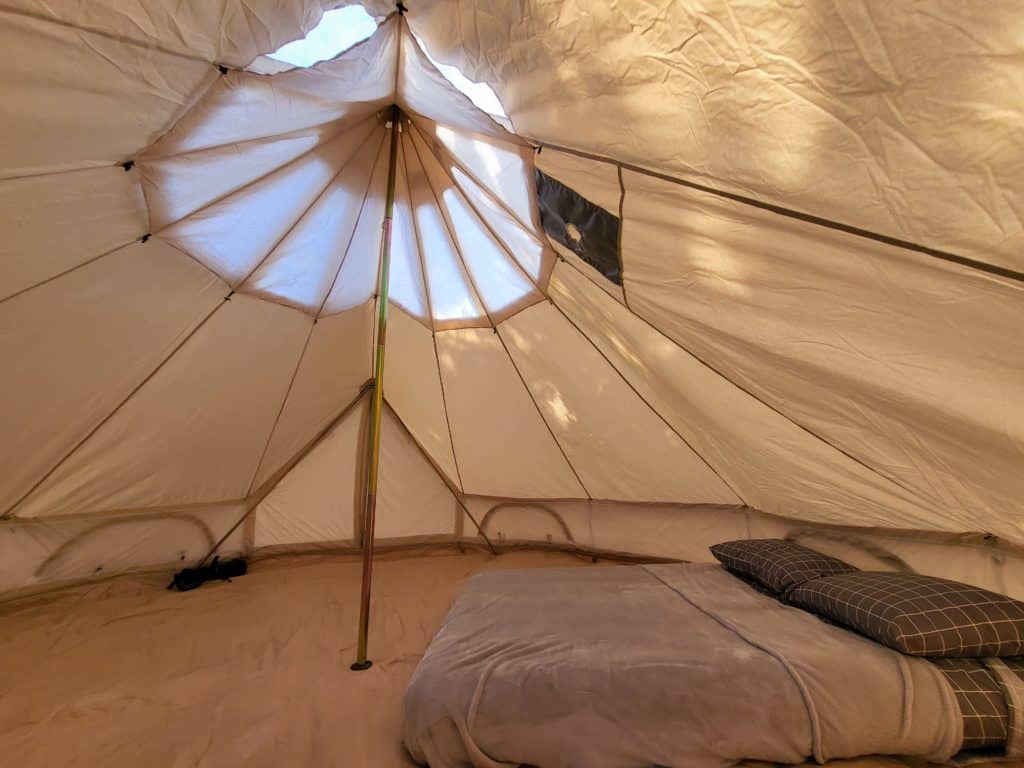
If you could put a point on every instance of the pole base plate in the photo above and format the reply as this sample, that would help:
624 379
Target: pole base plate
359 666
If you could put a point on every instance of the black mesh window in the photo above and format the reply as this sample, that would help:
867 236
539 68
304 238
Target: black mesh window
588 230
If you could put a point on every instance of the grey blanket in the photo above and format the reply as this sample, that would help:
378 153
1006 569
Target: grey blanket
668 665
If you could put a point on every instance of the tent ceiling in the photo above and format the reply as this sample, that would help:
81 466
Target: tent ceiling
190 326
892 117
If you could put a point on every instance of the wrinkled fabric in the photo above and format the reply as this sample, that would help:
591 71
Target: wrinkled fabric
898 118
658 665
748 358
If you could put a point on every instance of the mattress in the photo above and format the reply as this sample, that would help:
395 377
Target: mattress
664 665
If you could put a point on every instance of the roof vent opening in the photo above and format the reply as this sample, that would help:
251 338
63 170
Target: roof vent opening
337 31
342 28
481 94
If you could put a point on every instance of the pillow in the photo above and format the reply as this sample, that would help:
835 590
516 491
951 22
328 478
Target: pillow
778 564
982 701
918 615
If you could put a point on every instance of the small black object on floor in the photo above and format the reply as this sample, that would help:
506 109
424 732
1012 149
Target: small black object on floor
190 578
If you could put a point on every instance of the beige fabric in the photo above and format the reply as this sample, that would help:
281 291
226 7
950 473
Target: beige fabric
212 406
503 445
406 283
501 284
687 531
502 168
77 99
911 365
674 531
413 388
266 65
242 106
322 496
318 499
53 392
622 452
98 210
422 90
227 31
180 184
449 288
771 462
519 241
235 235
843 380
898 119
336 363
357 280
304 265
412 499
40 552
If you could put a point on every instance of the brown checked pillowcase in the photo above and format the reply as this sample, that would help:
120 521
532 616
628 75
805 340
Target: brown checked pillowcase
777 564
982 701
918 615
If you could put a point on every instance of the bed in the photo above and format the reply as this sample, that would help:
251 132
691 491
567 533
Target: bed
668 665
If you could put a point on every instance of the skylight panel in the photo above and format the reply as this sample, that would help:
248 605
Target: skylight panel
337 31
481 94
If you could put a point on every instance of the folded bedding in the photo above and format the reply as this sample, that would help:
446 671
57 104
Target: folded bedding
670 665
989 694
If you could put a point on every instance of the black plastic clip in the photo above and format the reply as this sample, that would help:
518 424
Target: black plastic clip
222 69
128 164
145 237
401 8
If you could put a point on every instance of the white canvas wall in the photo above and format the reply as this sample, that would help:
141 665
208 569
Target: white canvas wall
752 355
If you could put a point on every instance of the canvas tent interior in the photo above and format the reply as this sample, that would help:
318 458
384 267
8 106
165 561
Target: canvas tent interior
725 270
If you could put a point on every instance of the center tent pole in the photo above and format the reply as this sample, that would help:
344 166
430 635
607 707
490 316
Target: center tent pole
373 444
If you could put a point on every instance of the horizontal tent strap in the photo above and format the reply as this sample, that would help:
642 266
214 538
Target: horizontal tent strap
965 261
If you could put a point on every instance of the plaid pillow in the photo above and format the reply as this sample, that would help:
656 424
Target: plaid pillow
919 615
982 703
778 564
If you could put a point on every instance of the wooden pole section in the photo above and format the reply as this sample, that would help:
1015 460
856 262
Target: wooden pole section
373 445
